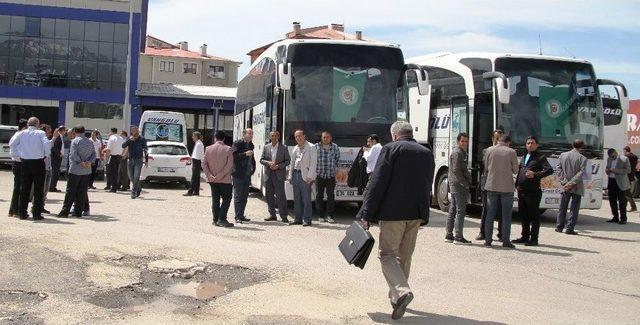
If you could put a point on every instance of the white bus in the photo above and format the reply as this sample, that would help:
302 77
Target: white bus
163 126
349 88
556 99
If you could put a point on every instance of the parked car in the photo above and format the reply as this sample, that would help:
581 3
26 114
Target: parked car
6 132
168 162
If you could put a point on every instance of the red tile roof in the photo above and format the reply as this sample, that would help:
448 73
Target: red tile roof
178 53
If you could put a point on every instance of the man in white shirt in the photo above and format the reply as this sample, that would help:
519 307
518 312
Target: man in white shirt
371 152
97 146
114 150
14 208
196 164
32 146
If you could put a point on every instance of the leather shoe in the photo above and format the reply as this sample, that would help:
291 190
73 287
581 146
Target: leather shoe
520 240
295 223
63 214
271 219
480 237
558 229
613 220
284 220
188 194
225 224
508 245
622 222
306 224
400 307
37 218
570 232
531 243
55 190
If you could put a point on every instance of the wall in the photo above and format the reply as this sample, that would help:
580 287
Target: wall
230 74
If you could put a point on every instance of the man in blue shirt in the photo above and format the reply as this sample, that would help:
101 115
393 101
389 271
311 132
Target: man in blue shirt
81 155
137 147
328 157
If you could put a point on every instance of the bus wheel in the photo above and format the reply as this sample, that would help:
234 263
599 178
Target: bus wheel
442 195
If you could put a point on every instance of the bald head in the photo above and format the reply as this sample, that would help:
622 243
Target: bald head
33 121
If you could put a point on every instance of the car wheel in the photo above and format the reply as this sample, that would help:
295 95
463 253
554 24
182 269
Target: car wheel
442 193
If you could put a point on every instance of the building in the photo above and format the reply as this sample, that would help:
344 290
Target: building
196 83
332 31
71 62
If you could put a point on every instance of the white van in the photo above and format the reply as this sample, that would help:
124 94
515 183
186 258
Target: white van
6 132
163 126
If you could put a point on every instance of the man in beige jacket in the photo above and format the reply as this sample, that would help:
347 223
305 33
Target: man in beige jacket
501 163
301 174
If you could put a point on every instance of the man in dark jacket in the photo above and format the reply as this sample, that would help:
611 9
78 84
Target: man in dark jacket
459 179
533 167
398 196
56 157
243 167
275 159
633 160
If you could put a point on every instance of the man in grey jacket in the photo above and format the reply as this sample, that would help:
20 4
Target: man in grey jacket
275 159
571 167
459 184
501 163
618 170
81 155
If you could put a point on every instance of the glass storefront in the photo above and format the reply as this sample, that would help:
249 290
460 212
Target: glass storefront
47 52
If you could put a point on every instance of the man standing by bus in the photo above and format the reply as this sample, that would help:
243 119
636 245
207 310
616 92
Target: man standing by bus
533 167
243 167
114 152
328 157
618 169
571 167
497 133
217 165
459 184
196 164
301 175
633 162
275 159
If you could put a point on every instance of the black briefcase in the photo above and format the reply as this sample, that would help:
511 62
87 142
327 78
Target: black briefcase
356 245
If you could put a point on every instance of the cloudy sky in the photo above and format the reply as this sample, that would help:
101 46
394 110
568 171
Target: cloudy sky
607 33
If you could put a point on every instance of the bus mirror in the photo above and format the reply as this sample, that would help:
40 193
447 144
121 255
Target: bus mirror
502 85
284 75
623 96
422 78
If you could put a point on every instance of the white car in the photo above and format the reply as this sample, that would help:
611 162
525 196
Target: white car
6 132
168 162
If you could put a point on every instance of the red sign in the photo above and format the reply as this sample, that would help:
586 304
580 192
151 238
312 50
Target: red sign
633 125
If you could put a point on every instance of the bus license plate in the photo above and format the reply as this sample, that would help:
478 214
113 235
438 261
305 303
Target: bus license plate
166 170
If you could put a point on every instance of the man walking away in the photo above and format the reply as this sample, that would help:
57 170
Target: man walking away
56 157
497 133
137 150
275 159
81 155
114 151
500 165
16 168
571 167
459 184
243 167
633 162
398 196
217 165
32 146
328 157
533 168
301 175
196 164
618 169
97 145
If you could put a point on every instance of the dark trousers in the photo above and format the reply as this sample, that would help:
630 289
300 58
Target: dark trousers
220 209
240 195
574 211
76 193
483 217
94 170
33 173
196 169
123 174
617 200
114 166
328 185
275 196
55 172
17 184
529 211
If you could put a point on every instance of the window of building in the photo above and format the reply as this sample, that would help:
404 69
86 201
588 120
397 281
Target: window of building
97 110
167 66
216 72
189 68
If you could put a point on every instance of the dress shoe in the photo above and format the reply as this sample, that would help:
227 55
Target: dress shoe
23 217
243 219
531 243
570 232
188 194
55 190
558 229
284 220
508 245
613 220
449 238
92 187
86 213
461 241
113 191
46 211
480 237
400 307
520 240
295 223
487 244
225 224
63 214
271 219
622 222
108 188
38 218
499 236
306 224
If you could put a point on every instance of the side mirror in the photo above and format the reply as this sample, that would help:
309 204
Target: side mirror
502 85
424 88
284 75
623 96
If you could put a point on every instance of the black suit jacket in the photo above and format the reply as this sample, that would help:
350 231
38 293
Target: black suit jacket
243 166
282 160
56 150
400 185
539 165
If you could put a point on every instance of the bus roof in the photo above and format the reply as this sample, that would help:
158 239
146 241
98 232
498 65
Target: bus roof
489 55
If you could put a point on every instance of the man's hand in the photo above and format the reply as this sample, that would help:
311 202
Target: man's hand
365 224
249 153
529 174
568 187
608 170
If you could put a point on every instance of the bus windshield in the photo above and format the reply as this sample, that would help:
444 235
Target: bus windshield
152 131
340 85
556 101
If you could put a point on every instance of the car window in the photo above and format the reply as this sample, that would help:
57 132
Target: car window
5 135
168 150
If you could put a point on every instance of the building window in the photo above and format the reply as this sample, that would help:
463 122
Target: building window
62 53
167 66
189 68
97 110
216 72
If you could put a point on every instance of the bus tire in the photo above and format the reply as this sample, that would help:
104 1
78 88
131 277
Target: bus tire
442 192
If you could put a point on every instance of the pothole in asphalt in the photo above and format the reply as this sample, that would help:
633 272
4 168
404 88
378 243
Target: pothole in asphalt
14 303
186 284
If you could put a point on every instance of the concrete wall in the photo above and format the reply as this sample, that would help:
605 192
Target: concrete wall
150 72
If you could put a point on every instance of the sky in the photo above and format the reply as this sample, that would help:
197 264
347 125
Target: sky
607 33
